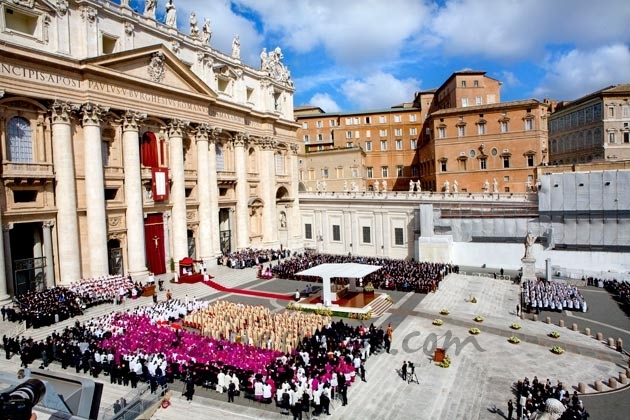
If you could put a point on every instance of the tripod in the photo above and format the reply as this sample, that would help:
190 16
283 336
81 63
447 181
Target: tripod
412 377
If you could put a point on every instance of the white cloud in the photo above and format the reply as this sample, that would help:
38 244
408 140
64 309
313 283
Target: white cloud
325 102
379 90
578 72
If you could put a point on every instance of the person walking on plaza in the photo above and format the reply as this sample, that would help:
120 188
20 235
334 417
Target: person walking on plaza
404 370
510 409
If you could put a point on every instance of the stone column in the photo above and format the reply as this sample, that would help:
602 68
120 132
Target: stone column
5 262
134 215
295 227
47 227
178 193
214 195
69 252
242 191
203 193
267 190
95 190
166 216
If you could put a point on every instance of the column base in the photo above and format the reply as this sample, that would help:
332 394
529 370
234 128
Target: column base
139 275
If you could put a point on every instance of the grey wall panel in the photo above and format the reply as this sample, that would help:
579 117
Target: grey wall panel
595 190
623 190
557 197
582 231
582 187
610 190
570 232
597 232
568 192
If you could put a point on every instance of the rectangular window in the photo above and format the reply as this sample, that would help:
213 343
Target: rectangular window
382 119
382 133
481 129
369 172
399 170
308 231
476 83
397 118
483 163
279 164
414 170
324 172
443 166
441 132
348 134
398 236
366 237
333 123
319 124
478 100
356 120
336 233
530 161
413 131
320 137
383 144
306 138
626 137
349 144
464 102
305 125
368 133
357 134
355 173
529 125
461 130
398 132
463 83
413 144
399 145
506 162
611 112
368 146
24 196
611 137
385 172
413 118
368 120
504 126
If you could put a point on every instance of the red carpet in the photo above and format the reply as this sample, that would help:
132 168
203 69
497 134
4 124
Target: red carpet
255 293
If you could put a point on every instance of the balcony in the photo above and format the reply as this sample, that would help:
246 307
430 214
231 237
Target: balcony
29 173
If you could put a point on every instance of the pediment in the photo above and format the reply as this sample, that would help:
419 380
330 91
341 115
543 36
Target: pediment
154 64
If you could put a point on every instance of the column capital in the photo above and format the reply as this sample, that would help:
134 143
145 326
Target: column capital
294 148
61 112
131 120
240 139
91 113
267 143
177 127
202 132
48 224
7 227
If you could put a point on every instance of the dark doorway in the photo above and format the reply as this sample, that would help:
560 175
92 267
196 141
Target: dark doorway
114 251
29 264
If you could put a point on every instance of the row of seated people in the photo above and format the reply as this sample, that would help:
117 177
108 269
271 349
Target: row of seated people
557 296
531 397
250 257
621 292
166 357
401 275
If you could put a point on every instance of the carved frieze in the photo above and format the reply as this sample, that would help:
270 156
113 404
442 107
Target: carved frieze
156 68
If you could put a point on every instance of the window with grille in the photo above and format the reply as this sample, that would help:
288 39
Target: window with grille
220 158
398 236
336 233
366 235
308 231
20 140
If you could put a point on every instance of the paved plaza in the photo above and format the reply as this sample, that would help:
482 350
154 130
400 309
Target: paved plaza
479 381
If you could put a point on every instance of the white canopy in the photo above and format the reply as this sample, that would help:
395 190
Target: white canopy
345 270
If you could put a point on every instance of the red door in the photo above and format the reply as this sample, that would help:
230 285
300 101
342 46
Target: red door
154 243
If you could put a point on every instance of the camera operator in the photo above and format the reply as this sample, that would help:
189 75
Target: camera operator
18 404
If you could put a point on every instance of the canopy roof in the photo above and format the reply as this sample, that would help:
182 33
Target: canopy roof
346 270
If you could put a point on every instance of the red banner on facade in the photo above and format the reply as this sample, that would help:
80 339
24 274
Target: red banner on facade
159 183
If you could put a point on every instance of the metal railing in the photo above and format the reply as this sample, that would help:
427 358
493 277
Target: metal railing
137 402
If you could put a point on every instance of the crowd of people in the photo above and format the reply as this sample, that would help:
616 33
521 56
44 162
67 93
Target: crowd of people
255 325
249 257
531 397
541 295
400 275
152 344
621 292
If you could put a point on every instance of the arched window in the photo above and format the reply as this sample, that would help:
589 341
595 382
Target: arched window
251 161
220 157
20 140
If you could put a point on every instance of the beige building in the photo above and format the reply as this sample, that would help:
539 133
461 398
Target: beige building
594 127
388 139
128 145
472 142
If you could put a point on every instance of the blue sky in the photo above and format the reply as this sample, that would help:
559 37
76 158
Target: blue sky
350 55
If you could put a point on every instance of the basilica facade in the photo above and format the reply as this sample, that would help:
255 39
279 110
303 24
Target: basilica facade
128 144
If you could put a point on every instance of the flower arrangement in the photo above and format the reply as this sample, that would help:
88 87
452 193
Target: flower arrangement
478 318
438 322
368 287
514 340
292 306
366 316
473 300
446 362
515 326
474 331
444 311
554 334
324 311
557 350
389 299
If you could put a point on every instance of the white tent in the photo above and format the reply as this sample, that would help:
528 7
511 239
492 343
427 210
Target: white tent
350 271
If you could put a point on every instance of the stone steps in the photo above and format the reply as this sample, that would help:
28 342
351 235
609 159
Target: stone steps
380 306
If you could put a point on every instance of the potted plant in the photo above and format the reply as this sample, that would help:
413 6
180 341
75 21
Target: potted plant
478 318
515 326
444 311
557 350
438 322
446 362
514 340
554 334
474 331
369 288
